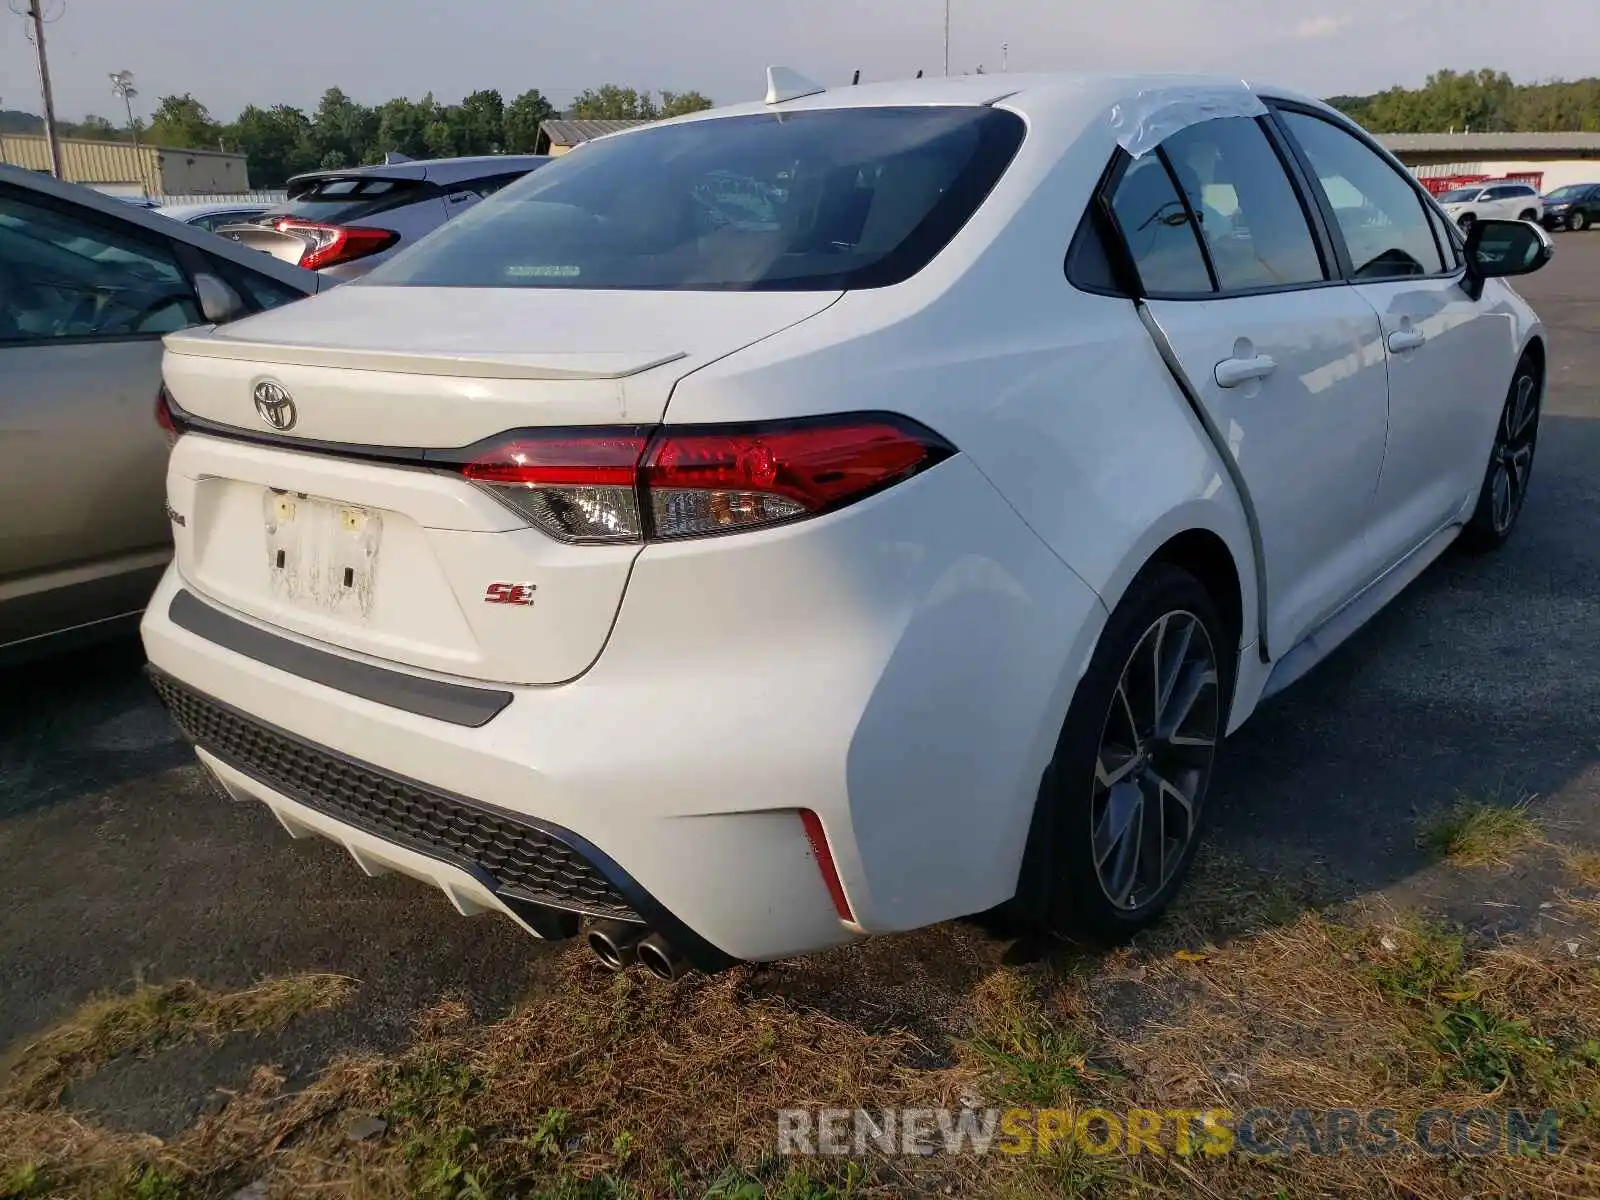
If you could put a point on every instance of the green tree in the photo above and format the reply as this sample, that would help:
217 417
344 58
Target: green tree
403 128
609 102
675 104
277 142
344 128
439 139
96 128
478 123
1484 101
523 117
183 121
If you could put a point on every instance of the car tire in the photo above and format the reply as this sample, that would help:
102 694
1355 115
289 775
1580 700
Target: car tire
1132 760
1578 221
1466 221
1528 215
1505 482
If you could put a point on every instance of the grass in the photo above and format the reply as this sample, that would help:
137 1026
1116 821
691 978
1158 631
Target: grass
152 1016
1027 1058
1475 834
1584 865
619 1088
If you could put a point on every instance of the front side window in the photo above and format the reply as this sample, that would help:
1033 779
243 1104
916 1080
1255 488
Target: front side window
66 275
1253 224
1158 232
490 184
837 198
1378 211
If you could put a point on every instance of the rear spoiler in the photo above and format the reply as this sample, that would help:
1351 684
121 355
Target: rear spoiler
548 365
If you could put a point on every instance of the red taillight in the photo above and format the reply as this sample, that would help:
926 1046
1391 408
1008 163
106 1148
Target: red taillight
164 417
704 481
330 245
824 855
626 485
576 485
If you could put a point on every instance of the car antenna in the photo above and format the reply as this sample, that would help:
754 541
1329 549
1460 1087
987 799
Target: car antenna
394 156
784 84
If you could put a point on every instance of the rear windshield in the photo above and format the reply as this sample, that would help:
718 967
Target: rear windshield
338 200
839 198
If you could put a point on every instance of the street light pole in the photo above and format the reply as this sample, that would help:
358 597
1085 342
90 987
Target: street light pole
36 12
122 85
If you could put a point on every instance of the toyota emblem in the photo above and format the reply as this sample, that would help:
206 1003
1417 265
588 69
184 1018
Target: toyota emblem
275 405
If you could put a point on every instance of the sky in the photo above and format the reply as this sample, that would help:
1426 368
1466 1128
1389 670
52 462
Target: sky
230 53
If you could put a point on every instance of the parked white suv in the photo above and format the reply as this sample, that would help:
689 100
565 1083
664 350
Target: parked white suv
1499 200
825 517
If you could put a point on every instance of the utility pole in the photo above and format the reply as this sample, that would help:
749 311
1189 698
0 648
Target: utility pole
947 37
36 12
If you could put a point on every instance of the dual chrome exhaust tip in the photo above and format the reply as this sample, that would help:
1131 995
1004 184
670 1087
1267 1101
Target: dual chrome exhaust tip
620 944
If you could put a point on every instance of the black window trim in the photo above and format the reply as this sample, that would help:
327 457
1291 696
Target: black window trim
157 242
1193 217
1276 106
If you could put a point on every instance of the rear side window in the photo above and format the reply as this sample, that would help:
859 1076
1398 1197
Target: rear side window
1251 219
1377 210
838 198
1158 231
345 199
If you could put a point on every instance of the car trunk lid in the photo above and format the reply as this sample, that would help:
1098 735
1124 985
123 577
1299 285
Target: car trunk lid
340 527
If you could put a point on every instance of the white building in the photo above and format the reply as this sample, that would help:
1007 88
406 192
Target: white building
1546 160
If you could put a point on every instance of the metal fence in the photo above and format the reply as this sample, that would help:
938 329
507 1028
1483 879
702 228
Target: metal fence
269 197
133 191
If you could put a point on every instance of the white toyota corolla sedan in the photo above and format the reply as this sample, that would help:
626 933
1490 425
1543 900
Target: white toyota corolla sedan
827 516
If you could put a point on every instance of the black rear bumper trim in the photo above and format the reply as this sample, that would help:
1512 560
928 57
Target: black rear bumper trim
552 916
454 703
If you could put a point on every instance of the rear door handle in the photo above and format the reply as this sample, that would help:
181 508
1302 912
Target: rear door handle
1231 372
1402 340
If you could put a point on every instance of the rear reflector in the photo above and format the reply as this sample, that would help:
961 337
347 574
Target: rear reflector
824 855
629 485
330 245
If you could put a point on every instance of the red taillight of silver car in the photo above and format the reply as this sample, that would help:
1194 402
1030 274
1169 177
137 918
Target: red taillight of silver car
330 245
630 484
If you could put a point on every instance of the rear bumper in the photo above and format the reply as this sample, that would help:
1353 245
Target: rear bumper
545 878
900 668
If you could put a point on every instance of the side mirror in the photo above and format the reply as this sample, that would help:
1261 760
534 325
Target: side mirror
1496 249
219 303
